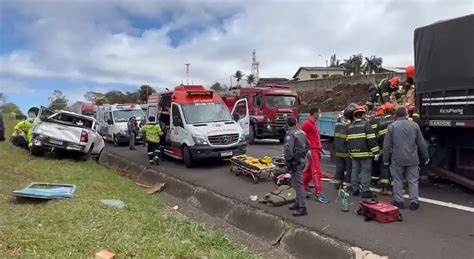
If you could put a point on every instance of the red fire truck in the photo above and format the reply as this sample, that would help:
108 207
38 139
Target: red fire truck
269 107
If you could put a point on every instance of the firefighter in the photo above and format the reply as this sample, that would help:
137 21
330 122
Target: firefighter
152 132
362 146
374 120
374 96
381 129
387 88
22 133
343 159
295 153
408 87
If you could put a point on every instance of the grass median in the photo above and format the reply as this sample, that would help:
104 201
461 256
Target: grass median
81 226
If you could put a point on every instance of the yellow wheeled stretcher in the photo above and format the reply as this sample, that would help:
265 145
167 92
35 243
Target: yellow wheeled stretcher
252 166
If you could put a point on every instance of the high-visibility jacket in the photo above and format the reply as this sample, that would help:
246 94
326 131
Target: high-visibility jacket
25 128
385 90
152 132
340 144
382 126
361 140
374 121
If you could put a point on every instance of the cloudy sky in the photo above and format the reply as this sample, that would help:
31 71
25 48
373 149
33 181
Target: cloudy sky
89 45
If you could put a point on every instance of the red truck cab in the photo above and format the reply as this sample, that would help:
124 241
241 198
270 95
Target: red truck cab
269 108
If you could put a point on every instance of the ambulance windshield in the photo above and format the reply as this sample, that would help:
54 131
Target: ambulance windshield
124 115
205 112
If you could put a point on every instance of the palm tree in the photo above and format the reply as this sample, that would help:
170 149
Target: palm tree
250 79
238 76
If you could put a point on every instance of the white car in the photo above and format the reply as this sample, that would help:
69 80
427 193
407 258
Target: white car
65 131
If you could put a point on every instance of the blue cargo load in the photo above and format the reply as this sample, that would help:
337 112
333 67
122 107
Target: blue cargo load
326 122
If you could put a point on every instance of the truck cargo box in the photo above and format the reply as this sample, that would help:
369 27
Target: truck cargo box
444 78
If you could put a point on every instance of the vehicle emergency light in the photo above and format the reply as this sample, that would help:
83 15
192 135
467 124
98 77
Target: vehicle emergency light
84 136
209 93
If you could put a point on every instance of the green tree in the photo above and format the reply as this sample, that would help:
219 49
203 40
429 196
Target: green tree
8 108
144 92
114 96
92 97
58 100
216 87
250 79
238 76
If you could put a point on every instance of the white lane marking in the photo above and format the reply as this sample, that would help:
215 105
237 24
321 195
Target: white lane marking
436 202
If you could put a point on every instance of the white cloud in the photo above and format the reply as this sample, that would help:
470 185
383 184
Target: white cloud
100 41
12 86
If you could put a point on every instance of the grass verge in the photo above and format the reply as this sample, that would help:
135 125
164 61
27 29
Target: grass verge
81 226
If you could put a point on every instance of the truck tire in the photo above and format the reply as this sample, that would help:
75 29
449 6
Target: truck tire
187 158
252 134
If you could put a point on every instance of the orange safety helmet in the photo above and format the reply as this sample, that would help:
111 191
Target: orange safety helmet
410 72
394 82
388 107
379 111
359 109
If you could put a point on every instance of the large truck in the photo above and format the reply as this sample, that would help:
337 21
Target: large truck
269 107
88 109
197 124
444 80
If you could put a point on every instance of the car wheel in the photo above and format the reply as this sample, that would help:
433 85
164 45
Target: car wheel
252 134
188 160
116 141
36 151
86 156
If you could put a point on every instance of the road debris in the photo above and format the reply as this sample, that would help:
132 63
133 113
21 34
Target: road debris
175 207
104 254
155 188
253 197
114 203
46 191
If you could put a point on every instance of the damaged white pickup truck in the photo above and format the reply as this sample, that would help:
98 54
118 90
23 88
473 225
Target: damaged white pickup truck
66 132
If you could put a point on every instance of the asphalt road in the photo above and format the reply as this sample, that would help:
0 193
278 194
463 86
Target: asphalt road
432 232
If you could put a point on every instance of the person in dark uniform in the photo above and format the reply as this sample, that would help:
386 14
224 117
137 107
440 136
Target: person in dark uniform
381 129
295 153
342 177
2 128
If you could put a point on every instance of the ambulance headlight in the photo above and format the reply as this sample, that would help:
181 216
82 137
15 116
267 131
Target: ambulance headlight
123 132
199 139
241 138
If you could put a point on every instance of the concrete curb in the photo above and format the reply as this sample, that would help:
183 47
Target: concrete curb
274 229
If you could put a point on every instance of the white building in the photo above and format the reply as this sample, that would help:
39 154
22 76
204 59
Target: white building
311 73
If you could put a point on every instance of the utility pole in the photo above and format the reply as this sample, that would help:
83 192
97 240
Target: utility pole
187 73
255 65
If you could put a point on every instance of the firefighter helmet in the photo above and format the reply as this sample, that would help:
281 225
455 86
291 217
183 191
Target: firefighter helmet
359 109
410 72
394 82
388 107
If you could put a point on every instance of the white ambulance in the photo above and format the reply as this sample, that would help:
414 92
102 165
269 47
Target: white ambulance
198 124
113 120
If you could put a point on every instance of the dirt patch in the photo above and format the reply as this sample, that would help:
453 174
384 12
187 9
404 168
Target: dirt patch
335 99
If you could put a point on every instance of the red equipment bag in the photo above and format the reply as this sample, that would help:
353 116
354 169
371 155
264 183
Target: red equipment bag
379 211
